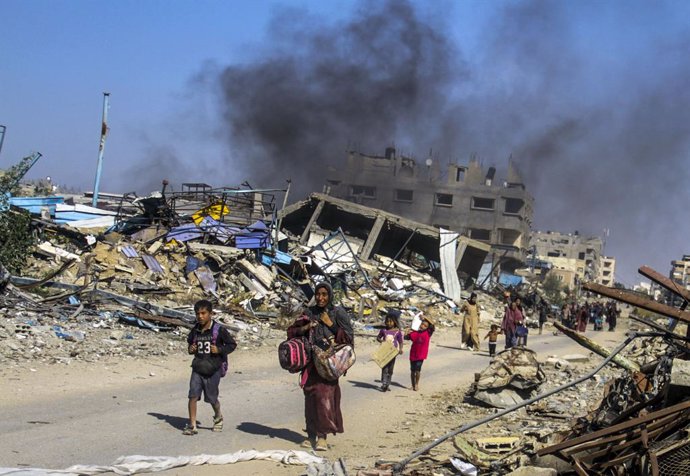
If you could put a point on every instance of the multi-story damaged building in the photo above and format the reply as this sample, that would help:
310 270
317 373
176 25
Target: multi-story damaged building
680 271
607 271
573 252
463 198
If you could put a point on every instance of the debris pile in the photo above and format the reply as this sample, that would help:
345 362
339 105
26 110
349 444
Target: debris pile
127 288
629 418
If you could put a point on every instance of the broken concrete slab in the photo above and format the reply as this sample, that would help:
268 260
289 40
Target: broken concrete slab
262 273
392 236
533 471
575 358
513 376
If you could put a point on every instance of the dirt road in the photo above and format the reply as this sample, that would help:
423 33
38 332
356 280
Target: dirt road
59 415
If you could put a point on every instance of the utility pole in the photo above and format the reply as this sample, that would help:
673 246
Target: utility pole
101 149
2 136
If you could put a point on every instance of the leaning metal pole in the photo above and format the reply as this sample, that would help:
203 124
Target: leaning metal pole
400 466
101 149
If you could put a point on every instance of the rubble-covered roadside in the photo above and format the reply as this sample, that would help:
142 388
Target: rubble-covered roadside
510 443
49 333
630 418
128 290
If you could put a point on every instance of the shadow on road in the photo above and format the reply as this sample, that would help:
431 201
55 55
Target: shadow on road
282 433
448 347
174 421
363 384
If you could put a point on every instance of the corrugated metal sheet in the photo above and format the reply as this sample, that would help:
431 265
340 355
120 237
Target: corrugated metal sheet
253 240
152 264
35 204
184 233
129 252
220 231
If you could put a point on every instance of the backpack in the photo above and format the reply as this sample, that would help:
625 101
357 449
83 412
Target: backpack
294 354
215 329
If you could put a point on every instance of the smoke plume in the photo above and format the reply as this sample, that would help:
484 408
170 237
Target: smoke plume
596 122
382 76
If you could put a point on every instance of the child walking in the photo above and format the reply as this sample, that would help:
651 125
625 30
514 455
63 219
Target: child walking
392 334
420 349
210 343
492 335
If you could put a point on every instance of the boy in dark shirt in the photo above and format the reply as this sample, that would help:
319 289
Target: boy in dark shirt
210 343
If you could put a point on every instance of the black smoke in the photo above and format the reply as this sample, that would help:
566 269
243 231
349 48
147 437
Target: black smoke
597 125
382 76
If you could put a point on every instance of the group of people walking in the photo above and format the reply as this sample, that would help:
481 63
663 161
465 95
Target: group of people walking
419 351
577 316
513 325
327 324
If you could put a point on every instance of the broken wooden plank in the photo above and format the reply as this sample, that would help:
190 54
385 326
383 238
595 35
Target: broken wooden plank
638 301
594 347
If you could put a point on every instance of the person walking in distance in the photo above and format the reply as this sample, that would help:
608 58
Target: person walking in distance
470 323
492 335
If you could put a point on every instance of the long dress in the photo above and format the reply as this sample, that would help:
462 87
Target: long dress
512 318
322 397
582 318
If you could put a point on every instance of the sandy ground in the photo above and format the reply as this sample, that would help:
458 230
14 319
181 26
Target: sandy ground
60 415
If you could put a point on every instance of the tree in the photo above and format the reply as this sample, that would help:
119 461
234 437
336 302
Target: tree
16 239
552 289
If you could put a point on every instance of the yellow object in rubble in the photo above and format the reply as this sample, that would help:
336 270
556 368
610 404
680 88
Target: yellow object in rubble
213 211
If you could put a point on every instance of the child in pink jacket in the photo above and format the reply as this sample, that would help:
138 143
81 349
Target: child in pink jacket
420 349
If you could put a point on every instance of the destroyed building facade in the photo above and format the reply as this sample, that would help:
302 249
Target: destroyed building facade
607 270
372 231
574 252
462 198
680 273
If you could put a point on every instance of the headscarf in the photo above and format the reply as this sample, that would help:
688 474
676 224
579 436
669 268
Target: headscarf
336 313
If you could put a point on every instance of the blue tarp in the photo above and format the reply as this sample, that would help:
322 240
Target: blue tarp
509 279
280 257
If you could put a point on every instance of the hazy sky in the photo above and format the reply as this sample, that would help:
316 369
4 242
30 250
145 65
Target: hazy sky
591 98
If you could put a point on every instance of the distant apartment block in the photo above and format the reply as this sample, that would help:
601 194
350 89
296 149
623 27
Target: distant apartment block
463 198
571 251
680 271
607 270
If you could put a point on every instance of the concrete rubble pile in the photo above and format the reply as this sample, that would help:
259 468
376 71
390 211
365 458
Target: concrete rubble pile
582 416
132 285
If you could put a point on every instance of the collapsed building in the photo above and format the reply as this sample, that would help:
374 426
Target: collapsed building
572 252
462 198
372 231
